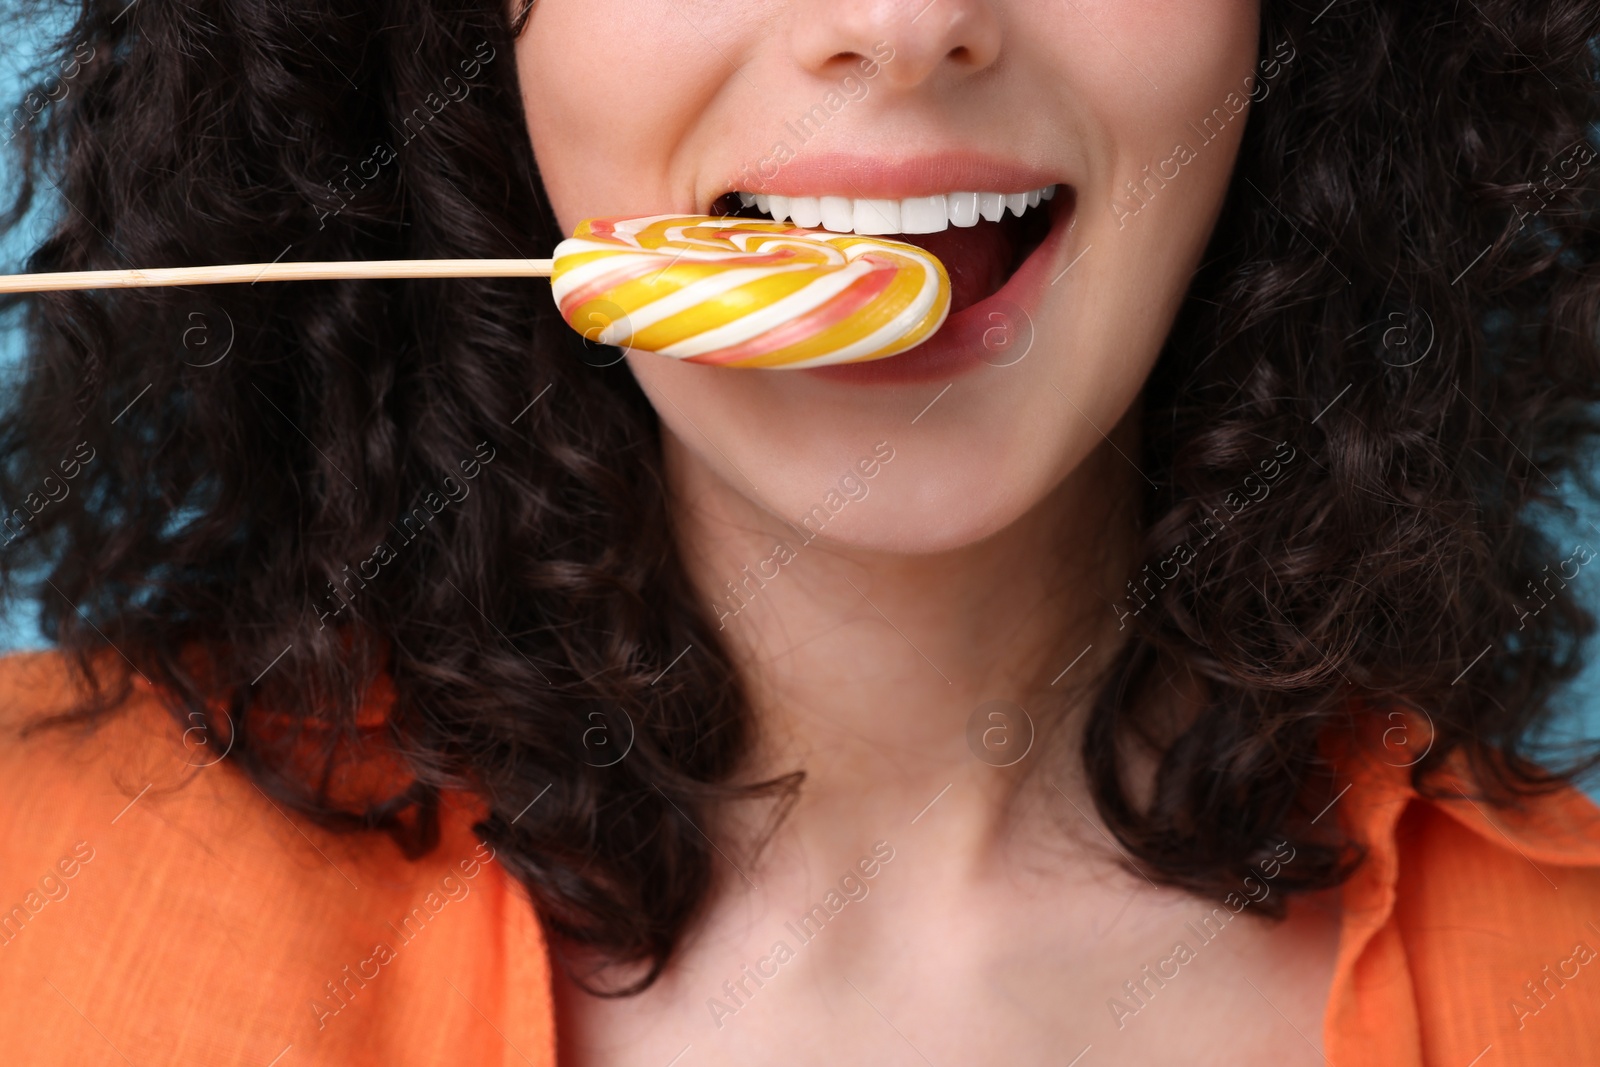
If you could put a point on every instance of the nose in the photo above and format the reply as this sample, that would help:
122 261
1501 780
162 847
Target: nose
913 41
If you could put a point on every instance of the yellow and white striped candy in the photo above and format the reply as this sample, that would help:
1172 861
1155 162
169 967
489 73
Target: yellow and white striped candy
747 292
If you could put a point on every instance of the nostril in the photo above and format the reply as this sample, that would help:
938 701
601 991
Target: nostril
845 63
922 38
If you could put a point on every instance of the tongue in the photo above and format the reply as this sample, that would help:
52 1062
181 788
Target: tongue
977 258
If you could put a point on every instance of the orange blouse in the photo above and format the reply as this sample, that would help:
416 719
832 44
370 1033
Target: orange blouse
150 924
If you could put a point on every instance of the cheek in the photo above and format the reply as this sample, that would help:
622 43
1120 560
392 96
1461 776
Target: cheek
579 119
608 113
1162 113
1168 106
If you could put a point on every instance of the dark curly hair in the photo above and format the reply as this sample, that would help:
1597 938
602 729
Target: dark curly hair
1397 310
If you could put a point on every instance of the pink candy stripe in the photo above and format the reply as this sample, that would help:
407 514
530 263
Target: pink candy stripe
840 307
600 287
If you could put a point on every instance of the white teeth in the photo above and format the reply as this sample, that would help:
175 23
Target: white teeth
838 214
805 211
924 214
912 215
963 209
878 217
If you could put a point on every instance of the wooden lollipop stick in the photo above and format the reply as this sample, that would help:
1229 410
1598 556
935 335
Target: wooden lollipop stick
276 272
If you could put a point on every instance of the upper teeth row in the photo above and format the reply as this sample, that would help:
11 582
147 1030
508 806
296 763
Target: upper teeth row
914 214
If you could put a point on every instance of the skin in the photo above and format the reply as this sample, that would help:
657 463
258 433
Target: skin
981 562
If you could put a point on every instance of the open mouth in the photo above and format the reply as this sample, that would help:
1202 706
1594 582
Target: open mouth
981 238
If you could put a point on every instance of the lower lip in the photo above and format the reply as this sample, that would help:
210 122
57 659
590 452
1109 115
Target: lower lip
958 346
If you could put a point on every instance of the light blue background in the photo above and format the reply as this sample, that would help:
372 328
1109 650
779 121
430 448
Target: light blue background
1581 704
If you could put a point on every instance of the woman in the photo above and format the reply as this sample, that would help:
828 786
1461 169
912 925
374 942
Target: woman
1149 667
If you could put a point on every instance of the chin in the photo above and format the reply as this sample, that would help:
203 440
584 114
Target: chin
868 478
927 508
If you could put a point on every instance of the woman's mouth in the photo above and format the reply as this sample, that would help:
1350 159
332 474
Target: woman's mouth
981 238
998 249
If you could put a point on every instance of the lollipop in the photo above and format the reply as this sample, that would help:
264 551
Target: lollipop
747 293
726 291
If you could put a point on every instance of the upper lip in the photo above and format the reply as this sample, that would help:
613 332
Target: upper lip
872 177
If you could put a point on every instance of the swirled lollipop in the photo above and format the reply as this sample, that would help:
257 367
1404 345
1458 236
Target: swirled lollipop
747 292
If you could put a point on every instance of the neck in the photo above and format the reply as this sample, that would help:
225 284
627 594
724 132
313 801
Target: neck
866 668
